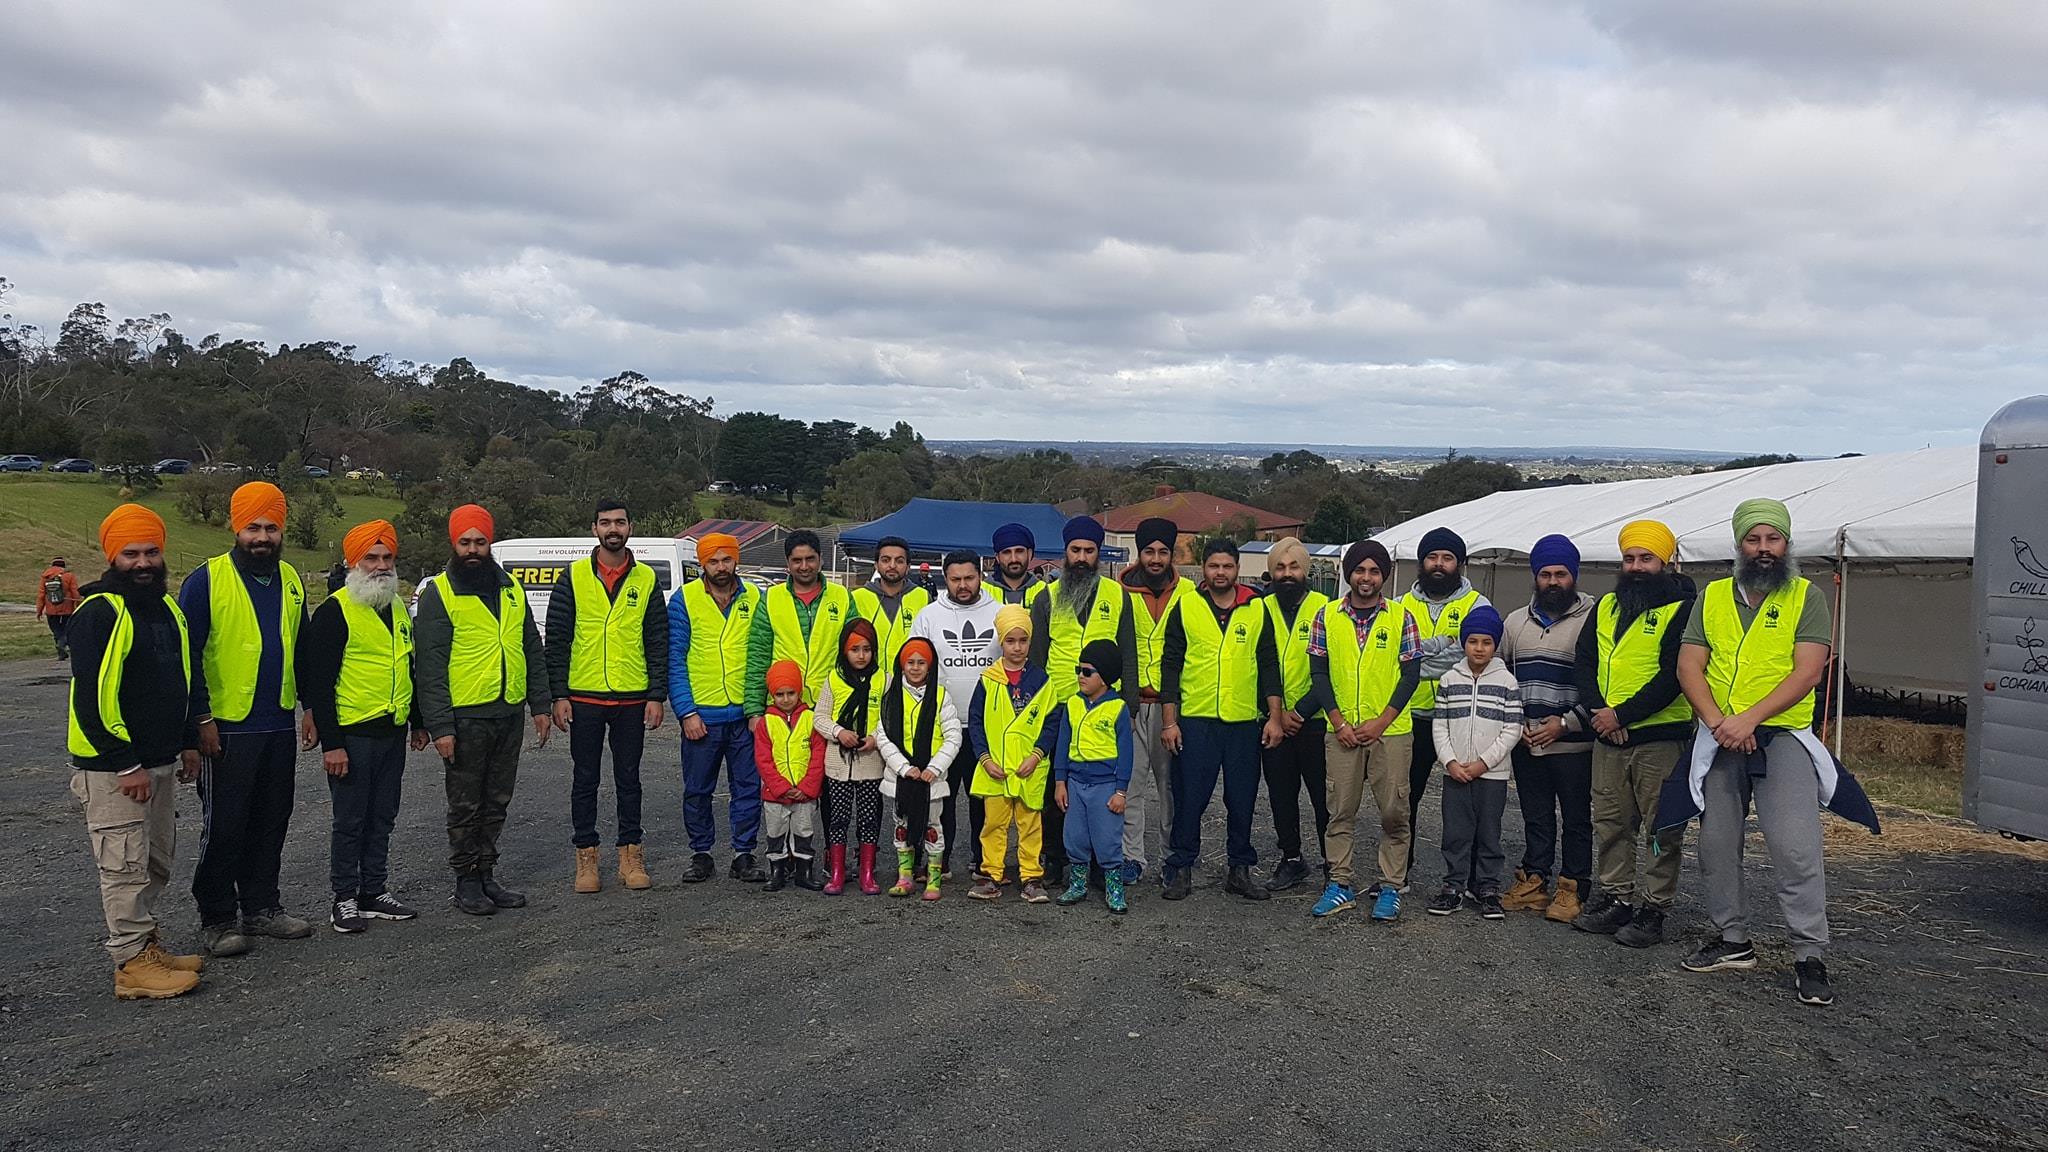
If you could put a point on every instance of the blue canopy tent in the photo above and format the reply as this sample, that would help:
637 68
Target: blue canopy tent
941 526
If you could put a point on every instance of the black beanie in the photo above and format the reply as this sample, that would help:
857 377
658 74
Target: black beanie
1106 658
1157 530
1365 550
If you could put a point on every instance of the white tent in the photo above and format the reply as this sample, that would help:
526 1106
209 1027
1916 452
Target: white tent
1904 524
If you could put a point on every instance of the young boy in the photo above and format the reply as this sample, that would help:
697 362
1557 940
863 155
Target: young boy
1092 770
1478 720
791 757
1007 729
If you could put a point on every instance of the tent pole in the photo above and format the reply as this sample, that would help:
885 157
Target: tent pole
1842 641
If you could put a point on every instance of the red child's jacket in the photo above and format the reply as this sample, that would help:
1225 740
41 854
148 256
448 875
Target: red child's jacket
789 752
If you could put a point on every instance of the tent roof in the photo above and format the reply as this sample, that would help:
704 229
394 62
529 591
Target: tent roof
944 525
1901 506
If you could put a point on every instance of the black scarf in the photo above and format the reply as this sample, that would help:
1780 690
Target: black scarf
853 711
913 797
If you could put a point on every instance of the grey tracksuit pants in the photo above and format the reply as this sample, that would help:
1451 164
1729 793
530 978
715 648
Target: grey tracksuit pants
1787 801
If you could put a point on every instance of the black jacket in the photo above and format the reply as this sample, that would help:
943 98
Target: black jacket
318 668
561 634
156 703
1660 691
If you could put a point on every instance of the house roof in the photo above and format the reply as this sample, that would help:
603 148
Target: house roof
1194 512
745 531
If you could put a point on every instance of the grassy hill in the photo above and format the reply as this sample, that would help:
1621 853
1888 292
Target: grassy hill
47 515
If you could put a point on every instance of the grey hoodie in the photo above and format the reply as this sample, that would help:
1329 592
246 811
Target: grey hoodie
1440 654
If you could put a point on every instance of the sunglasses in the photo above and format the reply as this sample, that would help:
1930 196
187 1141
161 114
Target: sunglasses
1084 670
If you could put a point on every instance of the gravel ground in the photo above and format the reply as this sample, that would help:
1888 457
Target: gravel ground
717 1016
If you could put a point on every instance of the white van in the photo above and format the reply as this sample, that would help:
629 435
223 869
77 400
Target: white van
541 562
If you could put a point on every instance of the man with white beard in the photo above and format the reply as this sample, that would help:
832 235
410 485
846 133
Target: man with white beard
354 670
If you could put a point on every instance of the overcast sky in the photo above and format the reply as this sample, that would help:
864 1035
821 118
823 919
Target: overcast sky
1812 226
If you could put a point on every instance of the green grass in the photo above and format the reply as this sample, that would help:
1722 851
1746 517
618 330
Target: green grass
23 637
59 515
1922 787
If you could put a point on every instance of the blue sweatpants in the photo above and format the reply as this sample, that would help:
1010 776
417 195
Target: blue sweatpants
1092 829
1210 748
732 743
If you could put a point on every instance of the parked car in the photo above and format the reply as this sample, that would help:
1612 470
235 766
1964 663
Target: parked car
21 464
172 466
72 464
222 467
365 474
316 472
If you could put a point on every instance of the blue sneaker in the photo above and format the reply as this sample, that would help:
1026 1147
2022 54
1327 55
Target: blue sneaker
1388 906
1336 898
1133 872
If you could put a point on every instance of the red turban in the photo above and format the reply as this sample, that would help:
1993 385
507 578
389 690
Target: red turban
785 674
363 537
712 543
130 524
471 516
256 500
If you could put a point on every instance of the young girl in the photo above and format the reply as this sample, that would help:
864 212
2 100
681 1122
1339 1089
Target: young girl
1092 771
849 711
918 739
791 758
1012 745
1478 721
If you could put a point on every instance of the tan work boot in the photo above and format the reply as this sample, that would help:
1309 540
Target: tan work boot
633 868
145 977
1526 894
586 870
173 960
1565 905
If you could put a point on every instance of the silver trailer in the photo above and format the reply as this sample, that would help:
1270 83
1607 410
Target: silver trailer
2005 785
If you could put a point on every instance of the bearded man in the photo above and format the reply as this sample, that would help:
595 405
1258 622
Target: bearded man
355 669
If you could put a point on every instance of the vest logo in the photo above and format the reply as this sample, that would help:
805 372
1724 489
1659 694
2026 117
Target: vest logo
967 635
1650 622
632 595
1239 632
1771 616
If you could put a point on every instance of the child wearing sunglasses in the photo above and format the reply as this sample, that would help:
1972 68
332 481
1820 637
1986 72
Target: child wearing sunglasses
1091 774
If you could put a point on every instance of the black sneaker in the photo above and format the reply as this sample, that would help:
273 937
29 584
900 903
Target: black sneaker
346 918
701 869
1811 979
1288 875
1604 916
1717 955
1490 907
1645 928
1448 899
383 906
744 868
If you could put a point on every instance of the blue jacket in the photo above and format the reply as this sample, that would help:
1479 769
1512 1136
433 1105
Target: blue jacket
680 699
1092 771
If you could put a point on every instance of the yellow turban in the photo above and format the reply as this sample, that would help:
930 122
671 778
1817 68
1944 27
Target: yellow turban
256 500
1651 536
712 543
363 537
1012 616
130 524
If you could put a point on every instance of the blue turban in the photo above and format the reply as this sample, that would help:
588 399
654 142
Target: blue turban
1082 528
1554 550
1014 535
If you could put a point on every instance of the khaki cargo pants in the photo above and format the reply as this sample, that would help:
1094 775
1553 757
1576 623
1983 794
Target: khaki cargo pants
1626 781
1383 768
132 844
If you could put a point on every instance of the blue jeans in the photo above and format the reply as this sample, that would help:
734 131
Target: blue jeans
1210 747
590 724
1092 829
733 743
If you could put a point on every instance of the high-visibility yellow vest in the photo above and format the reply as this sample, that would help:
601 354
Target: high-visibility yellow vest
120 642
376 663
1292 644
1447 623
934 697
890 634
1152 633
791 743
1220 680
608 652
1364 678
1012 735
718 644
234 642
1065 637
1091 732
487 657
1629 663
842 690
1744 666
820 653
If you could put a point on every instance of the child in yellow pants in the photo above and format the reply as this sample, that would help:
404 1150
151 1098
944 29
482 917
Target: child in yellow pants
1012 749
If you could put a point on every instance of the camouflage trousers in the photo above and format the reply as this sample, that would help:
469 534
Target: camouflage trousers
480 781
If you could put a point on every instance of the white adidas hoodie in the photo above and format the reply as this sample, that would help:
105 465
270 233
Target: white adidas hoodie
966 640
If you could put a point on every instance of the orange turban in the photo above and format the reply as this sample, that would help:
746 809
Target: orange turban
130 524
712 543
363 537
258 499
785 674
471 516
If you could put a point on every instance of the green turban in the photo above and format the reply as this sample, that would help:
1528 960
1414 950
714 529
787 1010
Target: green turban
1751 513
